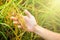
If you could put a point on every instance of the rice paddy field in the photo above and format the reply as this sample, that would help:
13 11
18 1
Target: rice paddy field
46 12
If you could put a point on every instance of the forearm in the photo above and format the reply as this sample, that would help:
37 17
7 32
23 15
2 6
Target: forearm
46 34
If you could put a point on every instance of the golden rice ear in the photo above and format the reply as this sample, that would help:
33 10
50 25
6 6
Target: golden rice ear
46 12
21 21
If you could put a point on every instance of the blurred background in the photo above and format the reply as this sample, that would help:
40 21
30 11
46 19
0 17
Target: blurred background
46 12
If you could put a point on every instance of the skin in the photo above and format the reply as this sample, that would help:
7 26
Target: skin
32 26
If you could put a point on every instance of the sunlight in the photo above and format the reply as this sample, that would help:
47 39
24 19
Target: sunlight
55 4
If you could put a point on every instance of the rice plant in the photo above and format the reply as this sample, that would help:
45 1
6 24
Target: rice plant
46 12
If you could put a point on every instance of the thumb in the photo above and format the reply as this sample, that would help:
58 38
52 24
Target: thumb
27 13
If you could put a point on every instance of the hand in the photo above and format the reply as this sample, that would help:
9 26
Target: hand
29 20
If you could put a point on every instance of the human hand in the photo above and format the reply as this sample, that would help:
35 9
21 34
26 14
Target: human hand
29 20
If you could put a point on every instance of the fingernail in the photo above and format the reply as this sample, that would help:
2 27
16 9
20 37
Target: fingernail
12 17
15 22
19 26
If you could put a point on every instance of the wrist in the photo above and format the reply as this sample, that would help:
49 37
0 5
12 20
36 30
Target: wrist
35 28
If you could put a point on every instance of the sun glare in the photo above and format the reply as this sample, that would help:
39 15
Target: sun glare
55 4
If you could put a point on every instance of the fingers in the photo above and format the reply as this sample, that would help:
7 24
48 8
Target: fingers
19 26
15 21
27 13
13 18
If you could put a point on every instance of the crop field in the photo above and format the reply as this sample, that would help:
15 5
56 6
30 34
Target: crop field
46 12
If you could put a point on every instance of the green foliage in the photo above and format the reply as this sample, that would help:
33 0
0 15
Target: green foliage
46 14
